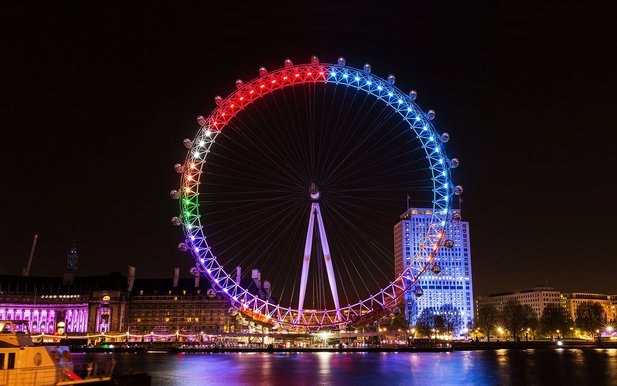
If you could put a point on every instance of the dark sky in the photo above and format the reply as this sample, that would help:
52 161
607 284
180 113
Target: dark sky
97 97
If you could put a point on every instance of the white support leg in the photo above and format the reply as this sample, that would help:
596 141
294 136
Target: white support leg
307 259
328 259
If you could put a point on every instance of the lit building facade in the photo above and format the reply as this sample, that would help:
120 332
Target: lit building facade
53 306
538 298
187 306
190 306
453 285
572 300
115 303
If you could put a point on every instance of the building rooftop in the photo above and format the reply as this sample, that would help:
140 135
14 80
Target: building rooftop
521 291
17 284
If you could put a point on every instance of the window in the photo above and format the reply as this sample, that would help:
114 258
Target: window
1 361
11 361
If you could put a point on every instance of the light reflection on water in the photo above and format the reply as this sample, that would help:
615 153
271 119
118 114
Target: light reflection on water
498 367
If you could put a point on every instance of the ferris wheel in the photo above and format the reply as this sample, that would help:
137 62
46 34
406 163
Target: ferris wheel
313 159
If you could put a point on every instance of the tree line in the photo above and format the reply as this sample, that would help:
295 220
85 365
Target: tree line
443 320
516 320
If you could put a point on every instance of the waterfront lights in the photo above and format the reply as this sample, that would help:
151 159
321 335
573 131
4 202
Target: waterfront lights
324 335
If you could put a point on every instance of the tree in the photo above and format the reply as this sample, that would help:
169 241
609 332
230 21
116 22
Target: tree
530 319
426 322
398 322
589 316
486 320
452 321
515 316
553 318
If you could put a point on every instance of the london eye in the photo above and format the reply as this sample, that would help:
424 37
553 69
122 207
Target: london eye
298 175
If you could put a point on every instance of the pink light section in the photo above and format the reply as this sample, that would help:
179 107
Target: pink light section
44 318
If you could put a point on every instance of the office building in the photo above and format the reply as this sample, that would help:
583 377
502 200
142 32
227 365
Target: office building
453 285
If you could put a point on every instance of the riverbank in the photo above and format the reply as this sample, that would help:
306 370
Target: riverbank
169 347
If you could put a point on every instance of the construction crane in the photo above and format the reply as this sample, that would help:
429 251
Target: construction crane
26 270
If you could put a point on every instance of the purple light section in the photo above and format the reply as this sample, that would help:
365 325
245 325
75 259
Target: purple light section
43 318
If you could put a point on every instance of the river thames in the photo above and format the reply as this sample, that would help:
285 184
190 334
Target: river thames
490 367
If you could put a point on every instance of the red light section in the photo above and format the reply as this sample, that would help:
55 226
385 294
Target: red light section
301 75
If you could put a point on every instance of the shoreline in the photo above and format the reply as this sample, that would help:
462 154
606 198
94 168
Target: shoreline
444 347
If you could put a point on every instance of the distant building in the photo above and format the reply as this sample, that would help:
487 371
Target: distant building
186 305
89 304
115 303
572 300
189 306
453 285
537 298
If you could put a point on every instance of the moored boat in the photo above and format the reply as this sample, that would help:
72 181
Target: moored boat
24 363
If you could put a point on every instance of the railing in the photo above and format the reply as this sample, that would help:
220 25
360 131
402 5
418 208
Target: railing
50 375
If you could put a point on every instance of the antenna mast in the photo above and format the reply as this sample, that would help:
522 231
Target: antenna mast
26 270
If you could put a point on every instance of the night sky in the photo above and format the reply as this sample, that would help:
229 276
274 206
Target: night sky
97 97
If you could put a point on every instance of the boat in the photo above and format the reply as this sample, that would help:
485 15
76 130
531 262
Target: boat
24 363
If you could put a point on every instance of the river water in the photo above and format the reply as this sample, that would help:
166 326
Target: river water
491 367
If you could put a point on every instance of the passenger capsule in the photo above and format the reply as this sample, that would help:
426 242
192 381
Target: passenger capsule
367 68
449 244
218 100
436 269
201 121
341 61
239 84
458 190
182 247
391 79
445 137
176 221
454 162
179 168
187 143
418 292
263 72
288 63
413 95
174 194
430 115
314 60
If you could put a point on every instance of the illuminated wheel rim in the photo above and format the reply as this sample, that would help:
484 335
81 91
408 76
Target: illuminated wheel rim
340 74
